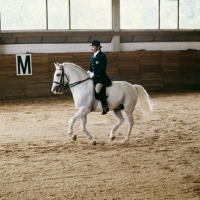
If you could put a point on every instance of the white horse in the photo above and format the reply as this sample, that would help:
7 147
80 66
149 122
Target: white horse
121 95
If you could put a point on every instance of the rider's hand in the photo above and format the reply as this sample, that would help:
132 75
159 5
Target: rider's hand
91 74
88 72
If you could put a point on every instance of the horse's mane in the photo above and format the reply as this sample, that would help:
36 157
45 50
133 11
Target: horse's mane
77 68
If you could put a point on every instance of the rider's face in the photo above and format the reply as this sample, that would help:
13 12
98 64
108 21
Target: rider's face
95 48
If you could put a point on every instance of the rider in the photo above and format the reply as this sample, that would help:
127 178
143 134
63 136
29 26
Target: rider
97 71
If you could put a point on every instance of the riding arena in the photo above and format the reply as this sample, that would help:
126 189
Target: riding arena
100 100
40 160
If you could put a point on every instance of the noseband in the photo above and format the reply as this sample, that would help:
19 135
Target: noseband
67 86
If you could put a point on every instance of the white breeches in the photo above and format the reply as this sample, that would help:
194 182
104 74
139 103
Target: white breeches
98 87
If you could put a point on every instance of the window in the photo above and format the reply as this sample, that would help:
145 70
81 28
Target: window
91 14
168 14
22 15
172 14
58 14
139 14
54 14
189 14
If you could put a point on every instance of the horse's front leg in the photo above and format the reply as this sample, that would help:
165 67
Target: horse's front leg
83 121
78 115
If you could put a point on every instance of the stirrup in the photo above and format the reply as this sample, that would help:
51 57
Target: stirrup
105 110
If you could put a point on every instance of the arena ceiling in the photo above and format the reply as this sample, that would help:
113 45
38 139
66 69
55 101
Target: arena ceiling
105 36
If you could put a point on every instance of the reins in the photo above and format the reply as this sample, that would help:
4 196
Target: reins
67 86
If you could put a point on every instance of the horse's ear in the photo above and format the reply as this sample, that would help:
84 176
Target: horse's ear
55 64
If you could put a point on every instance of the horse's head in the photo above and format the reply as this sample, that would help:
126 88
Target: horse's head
59 80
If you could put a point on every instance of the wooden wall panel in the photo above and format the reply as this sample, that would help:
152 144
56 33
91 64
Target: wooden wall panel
171 70
170 62
38 88
11 86
129 67
39 83
190 69
112 66
12 89
60 57
154 70
150 67
82 60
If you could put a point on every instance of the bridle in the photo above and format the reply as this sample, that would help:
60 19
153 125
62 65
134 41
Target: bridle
67 86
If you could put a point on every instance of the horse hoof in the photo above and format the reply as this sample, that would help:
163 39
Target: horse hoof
112 138
74 138
124 141
93 143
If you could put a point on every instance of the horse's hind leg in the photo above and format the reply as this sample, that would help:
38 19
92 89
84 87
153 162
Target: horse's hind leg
130 125
120 120
83 121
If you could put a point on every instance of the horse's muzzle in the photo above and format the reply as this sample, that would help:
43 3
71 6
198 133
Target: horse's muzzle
57 90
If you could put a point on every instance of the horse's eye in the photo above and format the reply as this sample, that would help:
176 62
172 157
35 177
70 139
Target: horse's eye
57 75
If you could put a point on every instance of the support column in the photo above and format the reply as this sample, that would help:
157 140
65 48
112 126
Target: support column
115 43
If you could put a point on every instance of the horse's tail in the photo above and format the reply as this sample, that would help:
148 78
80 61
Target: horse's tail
144 100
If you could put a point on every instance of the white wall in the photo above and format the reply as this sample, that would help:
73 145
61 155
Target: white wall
47 48
163 46
64 48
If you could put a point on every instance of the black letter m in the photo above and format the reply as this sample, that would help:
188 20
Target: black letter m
24 62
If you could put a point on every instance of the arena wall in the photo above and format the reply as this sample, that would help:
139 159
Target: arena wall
157 71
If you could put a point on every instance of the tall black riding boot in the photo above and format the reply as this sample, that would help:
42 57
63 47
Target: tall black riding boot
104 104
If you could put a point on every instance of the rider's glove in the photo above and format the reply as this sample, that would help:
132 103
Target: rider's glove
91 74
88 72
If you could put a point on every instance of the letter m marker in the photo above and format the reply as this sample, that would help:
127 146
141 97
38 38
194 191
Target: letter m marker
24 64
